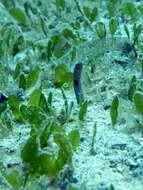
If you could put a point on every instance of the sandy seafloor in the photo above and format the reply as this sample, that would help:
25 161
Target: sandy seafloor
118 158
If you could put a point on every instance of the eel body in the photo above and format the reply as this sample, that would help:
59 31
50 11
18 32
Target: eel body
77 82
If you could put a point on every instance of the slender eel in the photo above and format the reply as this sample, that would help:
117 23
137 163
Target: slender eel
2 98
77 82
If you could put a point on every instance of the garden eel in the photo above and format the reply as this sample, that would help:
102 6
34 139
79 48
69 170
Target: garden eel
77 82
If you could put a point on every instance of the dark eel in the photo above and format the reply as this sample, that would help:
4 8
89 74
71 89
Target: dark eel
77 82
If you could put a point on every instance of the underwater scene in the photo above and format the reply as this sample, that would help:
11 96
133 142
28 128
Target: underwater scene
71 95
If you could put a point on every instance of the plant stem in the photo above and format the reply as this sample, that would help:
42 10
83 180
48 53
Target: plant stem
84 17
